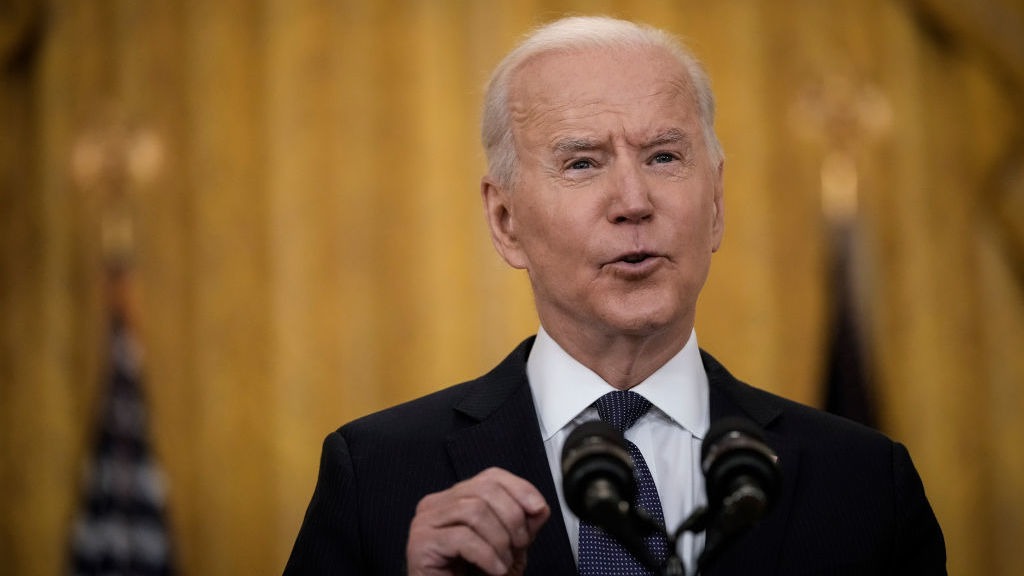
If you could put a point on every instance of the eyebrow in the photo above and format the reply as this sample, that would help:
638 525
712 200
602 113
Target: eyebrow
571 145
670 136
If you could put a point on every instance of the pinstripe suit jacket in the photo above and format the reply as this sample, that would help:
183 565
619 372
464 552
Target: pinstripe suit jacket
852 502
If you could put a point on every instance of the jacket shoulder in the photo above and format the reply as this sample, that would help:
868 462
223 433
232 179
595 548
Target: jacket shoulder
771 411
448 409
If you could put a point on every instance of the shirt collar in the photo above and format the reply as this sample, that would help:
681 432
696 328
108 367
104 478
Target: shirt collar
563 387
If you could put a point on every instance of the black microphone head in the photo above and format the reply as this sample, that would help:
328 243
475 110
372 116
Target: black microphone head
597 473
599 487
741 472
725 426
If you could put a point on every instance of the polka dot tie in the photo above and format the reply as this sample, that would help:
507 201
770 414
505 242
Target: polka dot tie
599 553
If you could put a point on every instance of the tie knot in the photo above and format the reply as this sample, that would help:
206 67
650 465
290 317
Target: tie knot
622 408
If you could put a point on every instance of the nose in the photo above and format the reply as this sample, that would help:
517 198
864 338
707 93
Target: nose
630 198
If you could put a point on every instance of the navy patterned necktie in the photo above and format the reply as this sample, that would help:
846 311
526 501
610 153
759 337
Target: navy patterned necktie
599 553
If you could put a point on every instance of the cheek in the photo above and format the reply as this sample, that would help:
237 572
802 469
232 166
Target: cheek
537 233
549 223
549 245
701 216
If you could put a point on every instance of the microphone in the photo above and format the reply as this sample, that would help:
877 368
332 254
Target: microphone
742 477
599 487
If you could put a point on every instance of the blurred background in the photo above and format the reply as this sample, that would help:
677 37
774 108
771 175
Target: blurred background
279 198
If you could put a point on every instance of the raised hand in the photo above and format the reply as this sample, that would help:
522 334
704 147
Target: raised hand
487 521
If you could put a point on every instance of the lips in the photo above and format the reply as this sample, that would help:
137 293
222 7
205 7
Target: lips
635 257
635 265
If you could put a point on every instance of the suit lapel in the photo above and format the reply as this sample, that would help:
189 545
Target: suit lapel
506 434
758 551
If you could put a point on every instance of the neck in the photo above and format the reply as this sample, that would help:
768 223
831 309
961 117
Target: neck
622 360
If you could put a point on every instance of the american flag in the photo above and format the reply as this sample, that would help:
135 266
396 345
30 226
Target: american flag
121 528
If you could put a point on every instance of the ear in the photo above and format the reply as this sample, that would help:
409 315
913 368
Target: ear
718 224
501 221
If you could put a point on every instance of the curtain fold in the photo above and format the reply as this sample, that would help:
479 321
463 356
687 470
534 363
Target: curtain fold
311 246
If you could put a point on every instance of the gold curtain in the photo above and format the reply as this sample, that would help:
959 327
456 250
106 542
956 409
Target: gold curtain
310 245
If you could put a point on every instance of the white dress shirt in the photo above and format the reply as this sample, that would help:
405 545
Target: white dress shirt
669 435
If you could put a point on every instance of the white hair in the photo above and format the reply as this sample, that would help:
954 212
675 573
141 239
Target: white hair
575 33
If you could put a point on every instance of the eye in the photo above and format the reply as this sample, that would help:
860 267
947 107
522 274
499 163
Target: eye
581 164
663 158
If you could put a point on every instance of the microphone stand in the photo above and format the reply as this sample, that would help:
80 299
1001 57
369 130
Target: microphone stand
695 523
638 524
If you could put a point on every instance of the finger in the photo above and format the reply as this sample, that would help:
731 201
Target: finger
525 494
518 505
529 501
470 506
535 522
500 511
507 509
479 515
431 549
522 491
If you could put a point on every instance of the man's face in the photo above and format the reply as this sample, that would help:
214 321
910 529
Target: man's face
616 207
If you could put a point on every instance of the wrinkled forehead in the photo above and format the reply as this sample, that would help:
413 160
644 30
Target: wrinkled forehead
568 81
576 84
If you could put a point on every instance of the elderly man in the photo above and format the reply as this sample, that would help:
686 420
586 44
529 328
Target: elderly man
605 185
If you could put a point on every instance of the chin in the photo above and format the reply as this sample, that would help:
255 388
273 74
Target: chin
632 323
647 315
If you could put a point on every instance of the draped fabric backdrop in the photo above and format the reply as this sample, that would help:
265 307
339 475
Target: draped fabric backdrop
303 180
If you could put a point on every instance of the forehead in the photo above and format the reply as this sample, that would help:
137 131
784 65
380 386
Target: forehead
598 89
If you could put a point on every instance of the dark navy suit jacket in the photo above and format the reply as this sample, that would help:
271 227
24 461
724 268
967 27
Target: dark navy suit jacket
851 502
